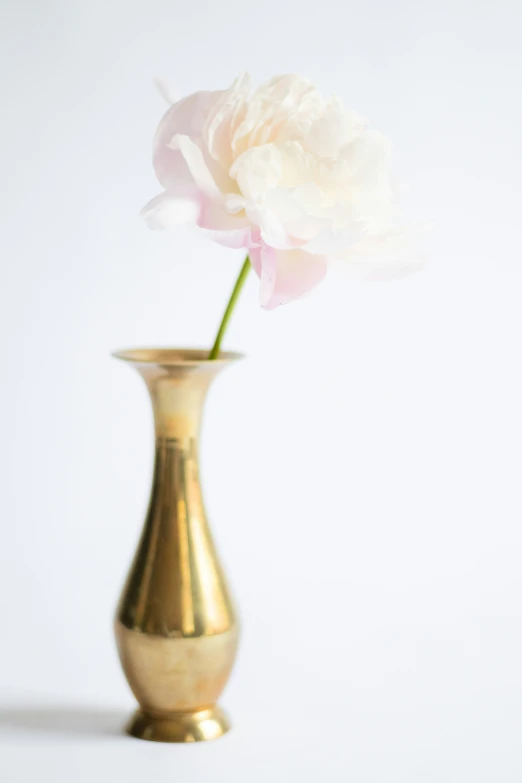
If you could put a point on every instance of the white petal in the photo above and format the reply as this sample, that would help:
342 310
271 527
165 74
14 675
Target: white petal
272 230
367 159
288 89
387 257
165 211
165 90
289 217
224 117
234 203
333 130
257 171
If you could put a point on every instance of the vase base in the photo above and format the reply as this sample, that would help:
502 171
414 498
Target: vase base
180 726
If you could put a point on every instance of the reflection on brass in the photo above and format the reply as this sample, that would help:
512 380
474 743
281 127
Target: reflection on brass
176 627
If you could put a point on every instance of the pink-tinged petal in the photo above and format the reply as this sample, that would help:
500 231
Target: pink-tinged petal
175 166
255 255
268 275
214 215
234 238
167 210
286 274
186 117
196 164
225 229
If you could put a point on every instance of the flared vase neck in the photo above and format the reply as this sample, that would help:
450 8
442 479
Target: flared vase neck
178 381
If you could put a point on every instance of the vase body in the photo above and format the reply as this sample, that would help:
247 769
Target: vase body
176 627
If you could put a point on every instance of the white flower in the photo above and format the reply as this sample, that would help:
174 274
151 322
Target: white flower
294 178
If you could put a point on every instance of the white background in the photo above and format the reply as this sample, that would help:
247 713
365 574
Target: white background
362 469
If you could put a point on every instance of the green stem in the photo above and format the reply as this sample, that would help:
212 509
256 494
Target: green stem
214 353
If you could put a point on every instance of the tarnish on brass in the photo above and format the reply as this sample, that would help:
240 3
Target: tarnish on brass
176 627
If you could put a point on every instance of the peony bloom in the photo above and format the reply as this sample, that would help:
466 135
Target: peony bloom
294 178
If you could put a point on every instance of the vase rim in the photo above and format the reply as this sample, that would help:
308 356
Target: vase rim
174 357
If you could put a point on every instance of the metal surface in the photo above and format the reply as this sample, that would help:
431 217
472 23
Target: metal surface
176 627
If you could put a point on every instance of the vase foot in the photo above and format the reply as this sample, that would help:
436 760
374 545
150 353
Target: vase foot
180 726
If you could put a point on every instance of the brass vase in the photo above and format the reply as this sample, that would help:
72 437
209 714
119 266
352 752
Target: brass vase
176 627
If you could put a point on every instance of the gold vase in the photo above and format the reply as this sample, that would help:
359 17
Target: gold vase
176 627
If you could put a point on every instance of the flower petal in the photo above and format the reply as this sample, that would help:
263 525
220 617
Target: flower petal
286 274
388 256
234 238
272 230
218 225
257 171
196 164
167 210
223 118
186 117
